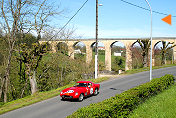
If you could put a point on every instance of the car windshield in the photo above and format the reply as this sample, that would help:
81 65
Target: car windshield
81 85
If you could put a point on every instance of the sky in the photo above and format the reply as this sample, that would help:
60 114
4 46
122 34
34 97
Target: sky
118 19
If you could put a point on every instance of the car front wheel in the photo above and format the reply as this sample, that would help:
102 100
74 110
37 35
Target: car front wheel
81 97
96 91
63 99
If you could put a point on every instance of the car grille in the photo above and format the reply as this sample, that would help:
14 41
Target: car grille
66 96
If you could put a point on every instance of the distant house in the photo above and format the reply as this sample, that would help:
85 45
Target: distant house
117 54
101 48
78 51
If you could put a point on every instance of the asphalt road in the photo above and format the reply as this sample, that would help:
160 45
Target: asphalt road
55 108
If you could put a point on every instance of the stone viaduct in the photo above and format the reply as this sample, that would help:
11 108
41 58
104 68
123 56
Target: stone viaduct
108 42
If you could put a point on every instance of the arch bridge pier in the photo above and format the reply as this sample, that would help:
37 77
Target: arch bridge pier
128 42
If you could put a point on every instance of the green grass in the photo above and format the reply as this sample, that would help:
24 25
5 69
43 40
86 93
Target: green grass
40 96
147 69
101 57
162 105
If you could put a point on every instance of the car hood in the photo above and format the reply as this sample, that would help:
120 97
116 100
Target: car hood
73 88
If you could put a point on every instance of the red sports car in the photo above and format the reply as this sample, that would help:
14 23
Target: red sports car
80 90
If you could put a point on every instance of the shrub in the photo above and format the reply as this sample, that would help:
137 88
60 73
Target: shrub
118 64
1 59
122 104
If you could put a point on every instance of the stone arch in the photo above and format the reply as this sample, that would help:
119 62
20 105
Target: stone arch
156 44
158 53
51 44
133 44
128 45
100 44
101 54
88 51
118 51
107 42
137 58
122 47
62 47
79 50
48 45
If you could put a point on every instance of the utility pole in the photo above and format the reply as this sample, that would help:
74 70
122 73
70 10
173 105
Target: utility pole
96 44
151 41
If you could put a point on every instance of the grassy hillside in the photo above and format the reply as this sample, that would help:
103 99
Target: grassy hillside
39 96
160 106
55 70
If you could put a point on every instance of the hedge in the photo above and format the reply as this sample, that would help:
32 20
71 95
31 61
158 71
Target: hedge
122 104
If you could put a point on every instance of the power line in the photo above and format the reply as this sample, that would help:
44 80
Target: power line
69 20
61 30
144 8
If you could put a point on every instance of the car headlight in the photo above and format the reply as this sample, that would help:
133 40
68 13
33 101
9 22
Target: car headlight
76 93
61 92
70 91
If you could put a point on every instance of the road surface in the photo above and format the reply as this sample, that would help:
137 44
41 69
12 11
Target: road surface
55 108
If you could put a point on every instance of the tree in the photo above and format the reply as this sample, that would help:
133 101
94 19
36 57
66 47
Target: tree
165 47
1 33
28 39
43 12
60 34
137 58
10 14
145 46
63 48
31 58
119 63
19 17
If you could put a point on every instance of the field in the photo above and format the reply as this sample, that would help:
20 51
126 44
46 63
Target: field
162 105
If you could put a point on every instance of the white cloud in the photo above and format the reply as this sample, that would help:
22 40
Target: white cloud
89 32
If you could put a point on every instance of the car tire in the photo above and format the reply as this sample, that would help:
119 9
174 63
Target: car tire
63 99
96 91
81 97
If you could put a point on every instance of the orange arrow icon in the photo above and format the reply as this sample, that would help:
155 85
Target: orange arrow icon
168 19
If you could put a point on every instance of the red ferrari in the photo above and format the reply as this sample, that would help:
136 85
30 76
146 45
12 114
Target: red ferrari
80 90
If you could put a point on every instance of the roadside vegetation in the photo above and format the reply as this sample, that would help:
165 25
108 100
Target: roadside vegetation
147 68
123 104
30 70
50 74
162 105
43 95
26 66
39 96
53 72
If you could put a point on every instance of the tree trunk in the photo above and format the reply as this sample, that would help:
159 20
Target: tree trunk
145 59
6 90
2 85
163 58
7 73
33 83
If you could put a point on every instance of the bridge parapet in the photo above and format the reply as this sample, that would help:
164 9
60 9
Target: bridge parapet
128 42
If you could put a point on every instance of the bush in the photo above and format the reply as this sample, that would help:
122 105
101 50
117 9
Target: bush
1 59
62 70
122 104
118 64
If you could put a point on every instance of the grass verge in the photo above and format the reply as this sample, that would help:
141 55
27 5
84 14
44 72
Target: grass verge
147 69
124 103
162 105
40 96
